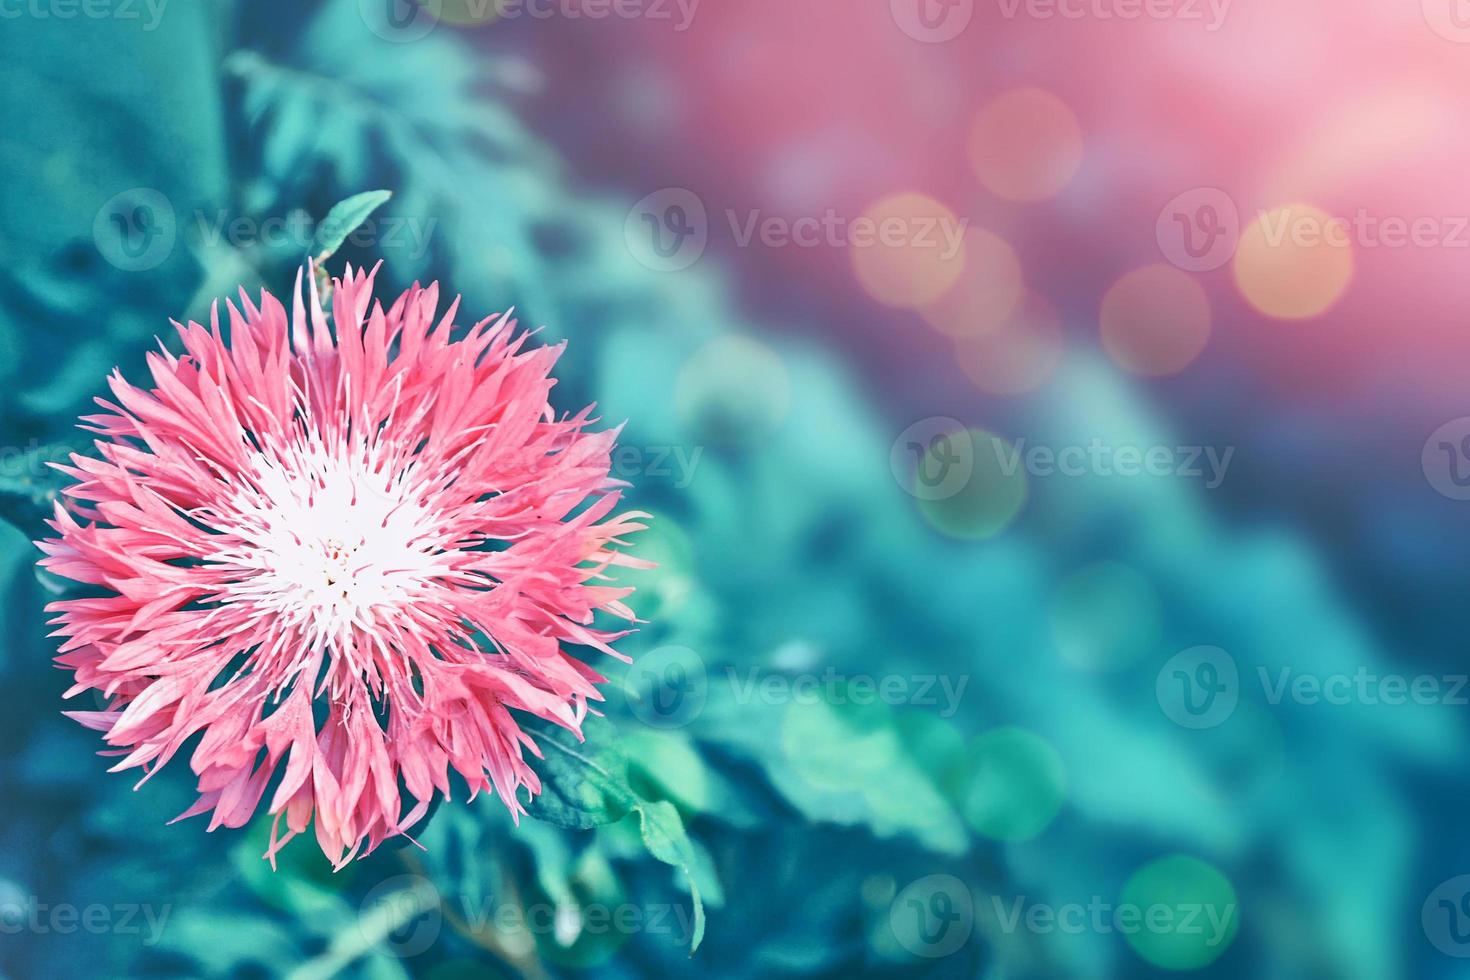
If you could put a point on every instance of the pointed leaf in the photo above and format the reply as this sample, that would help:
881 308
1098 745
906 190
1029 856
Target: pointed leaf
344 219
666 839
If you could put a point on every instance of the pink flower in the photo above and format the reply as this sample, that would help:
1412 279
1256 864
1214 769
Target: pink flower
344 557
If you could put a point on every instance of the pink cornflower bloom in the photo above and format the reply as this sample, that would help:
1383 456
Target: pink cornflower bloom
342 556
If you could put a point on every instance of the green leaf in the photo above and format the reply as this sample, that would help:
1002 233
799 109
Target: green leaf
666 839
586 785
344 219
667 765
583 784
840 763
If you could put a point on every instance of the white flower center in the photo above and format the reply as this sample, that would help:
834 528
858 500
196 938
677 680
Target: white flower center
330 540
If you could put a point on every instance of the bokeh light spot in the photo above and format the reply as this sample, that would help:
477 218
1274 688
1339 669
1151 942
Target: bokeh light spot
1018 355
1192 907
1293 262
907 250
989 500
1105 616
1155 320
1025 145
989 290
1017 784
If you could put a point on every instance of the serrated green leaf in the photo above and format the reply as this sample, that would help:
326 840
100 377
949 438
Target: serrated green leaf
344 219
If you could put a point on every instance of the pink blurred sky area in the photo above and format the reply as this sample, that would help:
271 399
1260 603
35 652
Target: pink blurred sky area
1329 111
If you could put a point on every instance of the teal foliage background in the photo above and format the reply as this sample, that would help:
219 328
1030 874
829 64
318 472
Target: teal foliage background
791 550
